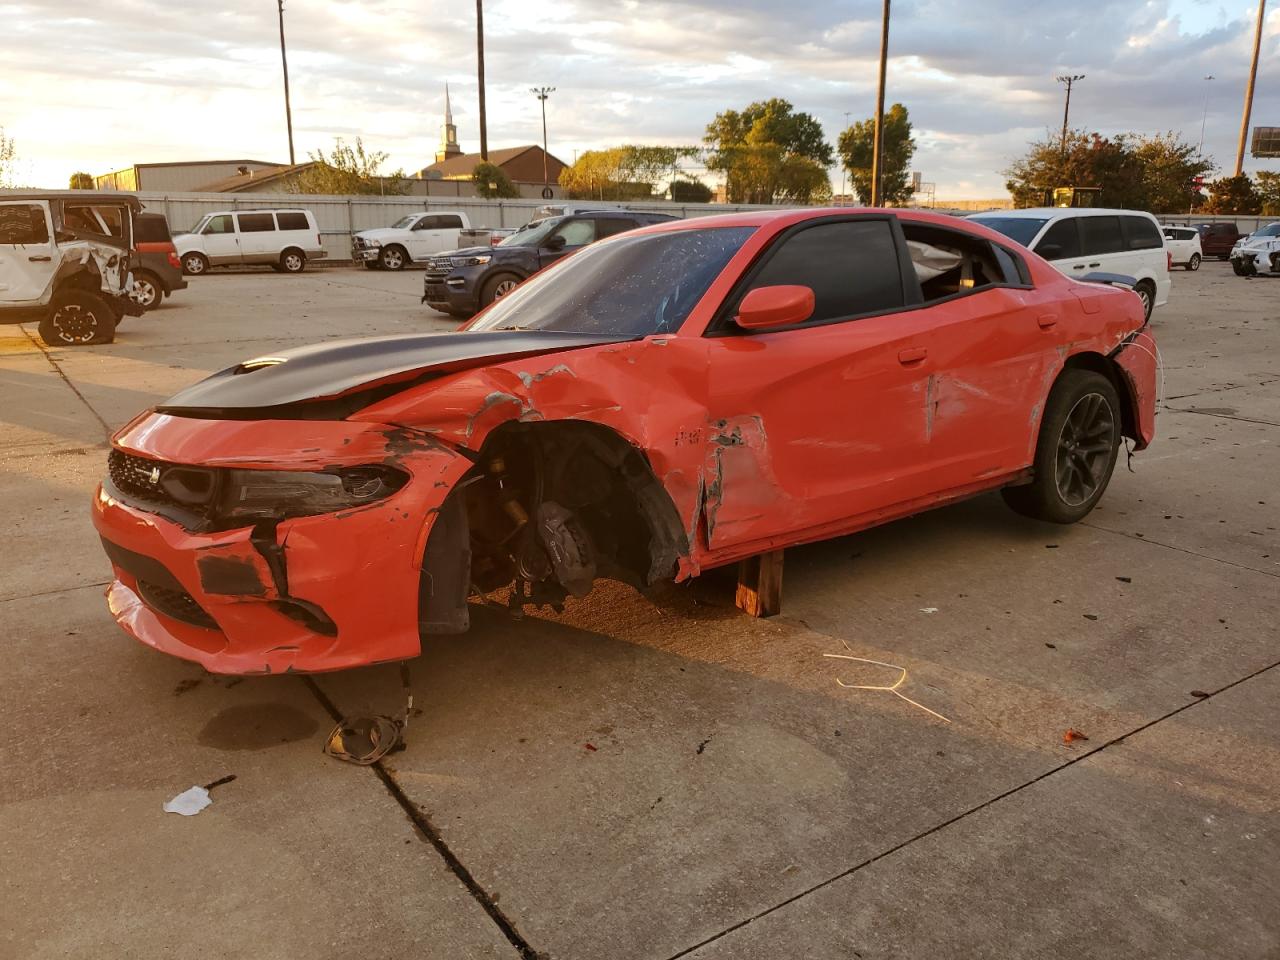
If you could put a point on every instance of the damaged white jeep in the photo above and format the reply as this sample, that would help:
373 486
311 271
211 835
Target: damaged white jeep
64 270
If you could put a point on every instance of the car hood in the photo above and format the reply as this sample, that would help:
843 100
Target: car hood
381 233
468 252
331 380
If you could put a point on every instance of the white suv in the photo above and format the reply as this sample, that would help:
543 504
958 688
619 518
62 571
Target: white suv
1081 240
1183 244
283 239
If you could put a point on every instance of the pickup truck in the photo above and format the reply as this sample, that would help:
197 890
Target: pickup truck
411 239
463 282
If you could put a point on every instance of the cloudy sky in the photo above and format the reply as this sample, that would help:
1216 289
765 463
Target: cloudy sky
99 87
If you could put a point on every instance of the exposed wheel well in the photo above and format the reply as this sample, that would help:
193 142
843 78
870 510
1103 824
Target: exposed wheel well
550 507
1108 368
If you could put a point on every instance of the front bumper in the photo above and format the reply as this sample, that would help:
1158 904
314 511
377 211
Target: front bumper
450 291
365 254
306 594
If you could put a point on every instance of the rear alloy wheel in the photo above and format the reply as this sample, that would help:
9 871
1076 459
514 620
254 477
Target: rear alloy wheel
392 258
1194 262
195 264
1147 296
293 261
1076 450
147 291
76 318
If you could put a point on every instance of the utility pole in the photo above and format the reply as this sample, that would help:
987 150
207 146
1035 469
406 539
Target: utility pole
1248 91
284 62
843 169
484 129
1068 79
542 93
877 147
1205 116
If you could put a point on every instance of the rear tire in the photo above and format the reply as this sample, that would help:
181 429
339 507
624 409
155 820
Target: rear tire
1076 450
147 291
77 318
293 260
1147 294
195 264
1194 262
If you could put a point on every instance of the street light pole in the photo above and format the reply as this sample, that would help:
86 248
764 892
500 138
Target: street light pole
1204 117
542 93
284 62
1248 92
1066 110
843 169
484 127
877 147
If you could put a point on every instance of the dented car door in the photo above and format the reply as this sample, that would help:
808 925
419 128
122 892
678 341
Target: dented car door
26 251
817 423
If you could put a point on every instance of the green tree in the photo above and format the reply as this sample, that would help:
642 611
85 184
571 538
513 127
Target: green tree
769 154
81 181
625 172
8 161
1268 188
1233 195
857 145
1089 160
348 169
492 182
1168 166
690 191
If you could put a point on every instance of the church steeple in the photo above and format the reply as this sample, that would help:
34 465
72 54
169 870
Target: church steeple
449 133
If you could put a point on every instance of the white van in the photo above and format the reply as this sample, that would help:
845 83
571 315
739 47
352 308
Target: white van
285 239
1083 240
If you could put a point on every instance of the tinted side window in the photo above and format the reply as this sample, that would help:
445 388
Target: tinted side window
150 228
608 227
1140 234
256 222
426 223
293 221
447 221
1101 235
1061 241
852 268
23 223
576 233
219 224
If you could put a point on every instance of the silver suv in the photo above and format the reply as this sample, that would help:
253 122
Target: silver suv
65 257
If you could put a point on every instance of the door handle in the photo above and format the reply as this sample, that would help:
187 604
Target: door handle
912 355
1078 266
1095 264
41 259
1046 320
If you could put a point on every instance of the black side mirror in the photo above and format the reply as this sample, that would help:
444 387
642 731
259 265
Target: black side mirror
554 243
1050 251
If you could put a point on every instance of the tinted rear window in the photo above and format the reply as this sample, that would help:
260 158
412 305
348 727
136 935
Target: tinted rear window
446 221
23 223
1140 234
256 222
150 228
1100 235
1018 229
293 221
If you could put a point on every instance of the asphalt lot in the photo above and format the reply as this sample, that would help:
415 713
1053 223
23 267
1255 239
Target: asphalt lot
663 777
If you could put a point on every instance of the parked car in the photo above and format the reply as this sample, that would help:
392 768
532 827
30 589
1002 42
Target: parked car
1082 240
63 267
284 239
411 239
464 281
1183 244
663 402
1217 239
159 271
1257 253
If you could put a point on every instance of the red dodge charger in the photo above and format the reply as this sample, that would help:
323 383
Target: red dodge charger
664 401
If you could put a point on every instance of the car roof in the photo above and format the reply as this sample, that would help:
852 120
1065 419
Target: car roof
1043 213
81 196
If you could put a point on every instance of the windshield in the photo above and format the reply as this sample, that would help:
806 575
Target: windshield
199 226
404 223
1019 229
532 233
633 286
1270 230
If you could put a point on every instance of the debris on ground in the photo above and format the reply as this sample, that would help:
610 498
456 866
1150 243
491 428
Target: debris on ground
892 688
1199 693
928 609
1072 735
191 801
366 740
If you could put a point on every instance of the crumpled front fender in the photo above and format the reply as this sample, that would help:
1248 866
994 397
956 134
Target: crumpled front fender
1138 361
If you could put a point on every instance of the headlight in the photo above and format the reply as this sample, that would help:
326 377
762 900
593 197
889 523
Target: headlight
279 494
373 243
476 261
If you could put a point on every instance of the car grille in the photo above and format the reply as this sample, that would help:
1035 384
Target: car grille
141 480
176 604
440 265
